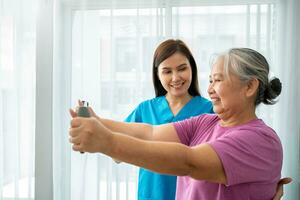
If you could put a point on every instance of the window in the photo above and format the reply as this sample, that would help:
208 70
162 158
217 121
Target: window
113 50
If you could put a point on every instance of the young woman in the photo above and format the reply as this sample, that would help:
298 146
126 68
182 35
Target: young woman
175 81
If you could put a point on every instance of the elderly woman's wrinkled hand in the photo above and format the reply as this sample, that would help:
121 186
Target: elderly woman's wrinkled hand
89 135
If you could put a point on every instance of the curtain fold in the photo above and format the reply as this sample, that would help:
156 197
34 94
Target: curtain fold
17 98
287 114
103 54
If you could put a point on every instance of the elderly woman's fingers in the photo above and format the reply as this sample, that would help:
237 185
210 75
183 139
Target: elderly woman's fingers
72 113
75 140
76 122
80 103
77 147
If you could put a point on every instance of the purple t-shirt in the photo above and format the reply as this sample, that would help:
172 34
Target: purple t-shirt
251 155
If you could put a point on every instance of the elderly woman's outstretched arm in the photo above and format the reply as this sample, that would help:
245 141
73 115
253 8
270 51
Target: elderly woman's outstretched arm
199 162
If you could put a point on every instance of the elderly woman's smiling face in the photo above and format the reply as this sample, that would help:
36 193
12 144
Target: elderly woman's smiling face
228 93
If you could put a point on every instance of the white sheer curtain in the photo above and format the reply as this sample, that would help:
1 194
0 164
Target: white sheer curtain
286 117
102 53
106 60
17 98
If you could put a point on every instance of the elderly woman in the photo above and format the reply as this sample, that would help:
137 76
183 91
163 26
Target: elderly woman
228 155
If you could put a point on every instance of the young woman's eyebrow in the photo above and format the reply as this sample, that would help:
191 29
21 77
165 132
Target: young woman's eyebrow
167 68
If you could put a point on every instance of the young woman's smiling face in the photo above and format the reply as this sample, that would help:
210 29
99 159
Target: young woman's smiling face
175 75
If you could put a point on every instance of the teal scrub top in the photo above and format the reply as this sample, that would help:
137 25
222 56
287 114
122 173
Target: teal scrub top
151 185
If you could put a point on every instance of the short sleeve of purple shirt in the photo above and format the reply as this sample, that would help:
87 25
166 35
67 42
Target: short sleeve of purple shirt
191 131
248 154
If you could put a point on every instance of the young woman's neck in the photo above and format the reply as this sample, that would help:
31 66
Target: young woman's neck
178 100
176 103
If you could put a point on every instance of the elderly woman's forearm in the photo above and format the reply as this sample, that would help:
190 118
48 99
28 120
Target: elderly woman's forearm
163 157
137 130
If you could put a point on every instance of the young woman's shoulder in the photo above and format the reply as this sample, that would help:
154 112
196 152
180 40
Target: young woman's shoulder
202 100
149 103
204 104
152 101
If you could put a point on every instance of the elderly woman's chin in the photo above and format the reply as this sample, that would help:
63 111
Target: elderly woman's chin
218 109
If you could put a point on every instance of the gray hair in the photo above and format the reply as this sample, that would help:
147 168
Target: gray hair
248 64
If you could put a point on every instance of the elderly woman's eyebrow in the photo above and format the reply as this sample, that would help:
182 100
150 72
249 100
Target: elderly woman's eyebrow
216 75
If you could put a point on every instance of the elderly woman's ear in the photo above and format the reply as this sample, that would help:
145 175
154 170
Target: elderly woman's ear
252 87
